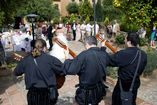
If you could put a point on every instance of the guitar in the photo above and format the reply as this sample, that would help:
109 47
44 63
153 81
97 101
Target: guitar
106 43
61 44
59 79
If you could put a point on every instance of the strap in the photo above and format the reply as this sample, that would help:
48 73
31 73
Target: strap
41 73
138 64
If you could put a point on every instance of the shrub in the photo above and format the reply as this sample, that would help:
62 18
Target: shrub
151 63
72 8
106 21
143 41
55 21
111 72
119 39
87 19
11 65
72 17
65 19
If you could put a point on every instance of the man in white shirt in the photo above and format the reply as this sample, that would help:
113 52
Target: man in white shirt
74 29
83 30
96 29
88 29
116 28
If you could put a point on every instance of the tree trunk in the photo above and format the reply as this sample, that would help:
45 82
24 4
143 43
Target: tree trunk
2 55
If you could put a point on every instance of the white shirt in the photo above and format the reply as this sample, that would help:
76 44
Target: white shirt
74 26
83 28
88 27
96 27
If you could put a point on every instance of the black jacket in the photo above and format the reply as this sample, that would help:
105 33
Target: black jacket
123 58
87 67
49 65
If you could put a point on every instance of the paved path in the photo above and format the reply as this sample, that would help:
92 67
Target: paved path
12 90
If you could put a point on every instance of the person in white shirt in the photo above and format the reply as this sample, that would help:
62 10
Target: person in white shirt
96 29
83 30
88 29
115 28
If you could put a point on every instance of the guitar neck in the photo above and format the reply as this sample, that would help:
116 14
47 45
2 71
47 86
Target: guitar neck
106 43
65 47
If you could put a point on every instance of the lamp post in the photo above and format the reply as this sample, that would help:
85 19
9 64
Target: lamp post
94 18
32 19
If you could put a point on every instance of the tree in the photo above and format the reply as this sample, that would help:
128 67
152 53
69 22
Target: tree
72 8
43 8
139 12
110 11
99 11
8 9
86 9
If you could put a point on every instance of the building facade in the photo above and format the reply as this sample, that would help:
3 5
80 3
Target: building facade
63 3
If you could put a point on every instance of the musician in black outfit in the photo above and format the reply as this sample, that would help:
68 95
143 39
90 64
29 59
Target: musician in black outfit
124 59
49 67
90 66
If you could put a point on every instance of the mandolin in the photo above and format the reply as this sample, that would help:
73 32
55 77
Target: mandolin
106 43
59 79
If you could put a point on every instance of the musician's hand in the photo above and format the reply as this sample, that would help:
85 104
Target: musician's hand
66 52
103 43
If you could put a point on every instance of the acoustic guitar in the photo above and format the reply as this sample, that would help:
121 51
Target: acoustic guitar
59 79
106 43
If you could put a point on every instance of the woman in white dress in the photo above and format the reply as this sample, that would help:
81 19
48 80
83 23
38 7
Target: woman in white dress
78 32
58 51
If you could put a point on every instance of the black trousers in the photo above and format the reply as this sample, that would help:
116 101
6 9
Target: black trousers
90 94
74 34
39 96
50 42
126 86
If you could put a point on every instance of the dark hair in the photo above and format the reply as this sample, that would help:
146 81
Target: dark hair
91 40
39 45
134 38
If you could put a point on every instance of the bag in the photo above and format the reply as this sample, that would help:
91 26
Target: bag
126 98
53 94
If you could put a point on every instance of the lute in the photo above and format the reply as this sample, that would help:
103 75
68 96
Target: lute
59 79
106 43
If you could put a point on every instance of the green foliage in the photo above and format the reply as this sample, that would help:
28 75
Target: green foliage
127 26
87 19
1 18
151 62
119 39
111 72
110 11
72 17
8 9
139 12
11 65
143 41
106 21
55 21
43 8
86 9
72 8
65 19
99 11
